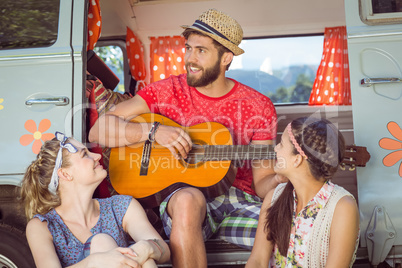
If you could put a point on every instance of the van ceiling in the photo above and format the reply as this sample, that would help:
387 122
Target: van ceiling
257 17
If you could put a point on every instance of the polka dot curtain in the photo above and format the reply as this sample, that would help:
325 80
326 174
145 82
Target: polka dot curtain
332 85
94 24
135 54
167 56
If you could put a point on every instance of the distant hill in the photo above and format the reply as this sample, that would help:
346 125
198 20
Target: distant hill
290 75
266 83
258 80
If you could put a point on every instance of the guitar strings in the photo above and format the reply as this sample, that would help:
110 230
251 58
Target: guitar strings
216 154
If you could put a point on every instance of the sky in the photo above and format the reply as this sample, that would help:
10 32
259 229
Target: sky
280 52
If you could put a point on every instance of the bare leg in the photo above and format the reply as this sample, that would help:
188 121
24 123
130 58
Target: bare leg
187 208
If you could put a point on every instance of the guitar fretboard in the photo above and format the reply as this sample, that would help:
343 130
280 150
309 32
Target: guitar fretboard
237 152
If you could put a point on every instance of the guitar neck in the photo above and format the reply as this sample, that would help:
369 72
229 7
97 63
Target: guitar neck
237 152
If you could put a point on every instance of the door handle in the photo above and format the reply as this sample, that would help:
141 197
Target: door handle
58 101
368 82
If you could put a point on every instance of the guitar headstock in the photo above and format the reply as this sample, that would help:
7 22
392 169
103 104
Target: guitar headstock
355 156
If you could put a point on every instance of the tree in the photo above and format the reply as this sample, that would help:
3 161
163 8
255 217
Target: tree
302 89
28 23
112 56
280 96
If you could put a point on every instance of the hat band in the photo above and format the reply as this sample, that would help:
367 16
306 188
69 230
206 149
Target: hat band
205 27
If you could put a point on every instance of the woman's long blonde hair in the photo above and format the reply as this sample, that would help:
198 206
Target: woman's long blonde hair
35 196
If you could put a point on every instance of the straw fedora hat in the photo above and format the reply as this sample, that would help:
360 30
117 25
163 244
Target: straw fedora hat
220 27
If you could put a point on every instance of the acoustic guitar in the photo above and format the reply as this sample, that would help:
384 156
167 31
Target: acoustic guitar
149 172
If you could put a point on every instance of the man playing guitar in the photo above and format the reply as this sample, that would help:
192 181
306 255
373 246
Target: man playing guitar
202 95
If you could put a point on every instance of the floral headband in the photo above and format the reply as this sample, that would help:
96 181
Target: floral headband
295 144
54 182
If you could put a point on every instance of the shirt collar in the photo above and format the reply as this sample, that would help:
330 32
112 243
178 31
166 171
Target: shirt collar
321 198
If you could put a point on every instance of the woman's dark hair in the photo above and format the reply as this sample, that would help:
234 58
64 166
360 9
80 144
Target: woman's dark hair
324 147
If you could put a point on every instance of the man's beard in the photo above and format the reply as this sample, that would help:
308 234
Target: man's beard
209 75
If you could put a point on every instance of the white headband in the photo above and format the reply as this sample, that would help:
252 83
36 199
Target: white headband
54 182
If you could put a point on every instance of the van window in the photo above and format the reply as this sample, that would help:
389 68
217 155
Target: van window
388 6
28 23
377 12
112 55
282 68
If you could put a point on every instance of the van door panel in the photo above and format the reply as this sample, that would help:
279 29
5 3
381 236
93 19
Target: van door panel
392 70
77 127
375 52
35 74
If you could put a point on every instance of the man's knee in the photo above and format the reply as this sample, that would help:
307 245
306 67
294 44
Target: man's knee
187 202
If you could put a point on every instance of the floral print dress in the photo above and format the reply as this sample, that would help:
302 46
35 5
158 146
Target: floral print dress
302 224
69 248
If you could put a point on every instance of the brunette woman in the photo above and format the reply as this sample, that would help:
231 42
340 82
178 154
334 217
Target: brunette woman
309 221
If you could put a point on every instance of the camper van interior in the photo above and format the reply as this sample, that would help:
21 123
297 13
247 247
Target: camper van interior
288 46
339 60
284 43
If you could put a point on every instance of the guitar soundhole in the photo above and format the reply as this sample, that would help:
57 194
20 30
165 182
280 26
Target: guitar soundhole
195 157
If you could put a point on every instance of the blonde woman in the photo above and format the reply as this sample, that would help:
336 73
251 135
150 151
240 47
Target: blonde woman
309 221
68 228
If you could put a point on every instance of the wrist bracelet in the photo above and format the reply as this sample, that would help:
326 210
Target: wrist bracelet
155 241
152 131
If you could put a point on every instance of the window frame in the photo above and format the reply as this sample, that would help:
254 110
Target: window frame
120 42
368 17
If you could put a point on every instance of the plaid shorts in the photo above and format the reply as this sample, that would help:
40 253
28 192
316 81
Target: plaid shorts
232 217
